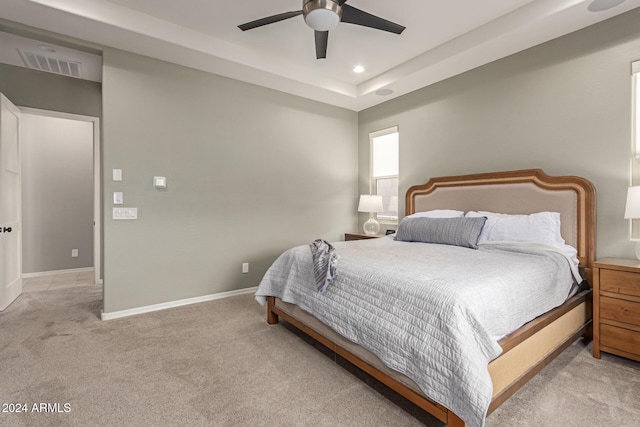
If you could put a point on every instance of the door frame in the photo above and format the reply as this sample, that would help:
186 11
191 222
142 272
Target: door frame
97 180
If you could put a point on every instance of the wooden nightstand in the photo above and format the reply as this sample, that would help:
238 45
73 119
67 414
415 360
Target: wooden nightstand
361 236
616 307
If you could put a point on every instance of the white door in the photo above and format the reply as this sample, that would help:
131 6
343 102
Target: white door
10 204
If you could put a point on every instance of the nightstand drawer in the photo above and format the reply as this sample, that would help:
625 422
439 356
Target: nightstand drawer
622 282
622 339
620 310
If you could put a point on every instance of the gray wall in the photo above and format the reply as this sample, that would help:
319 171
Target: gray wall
37 89
57 193
250 171
564 106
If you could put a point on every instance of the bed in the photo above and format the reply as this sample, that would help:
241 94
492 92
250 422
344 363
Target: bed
523 352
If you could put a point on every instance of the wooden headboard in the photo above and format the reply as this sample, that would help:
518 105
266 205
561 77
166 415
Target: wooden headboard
518 192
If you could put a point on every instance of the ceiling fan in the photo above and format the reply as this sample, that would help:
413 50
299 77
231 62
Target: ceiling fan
323 15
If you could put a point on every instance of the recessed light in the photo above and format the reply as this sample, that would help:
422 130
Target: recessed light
384 92
46 48
602 5
358 69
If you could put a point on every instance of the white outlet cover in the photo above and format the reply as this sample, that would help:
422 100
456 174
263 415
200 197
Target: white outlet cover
118 198
117 174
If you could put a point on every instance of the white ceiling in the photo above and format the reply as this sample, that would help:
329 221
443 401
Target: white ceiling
443 38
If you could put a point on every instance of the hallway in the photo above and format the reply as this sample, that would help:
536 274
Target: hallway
58 281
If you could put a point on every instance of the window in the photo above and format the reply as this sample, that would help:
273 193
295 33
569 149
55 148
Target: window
385 170
635 70
635 158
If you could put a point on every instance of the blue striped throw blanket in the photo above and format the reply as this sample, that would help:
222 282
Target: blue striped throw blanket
325 262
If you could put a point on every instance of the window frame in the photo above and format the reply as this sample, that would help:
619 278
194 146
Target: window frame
634 178
373 185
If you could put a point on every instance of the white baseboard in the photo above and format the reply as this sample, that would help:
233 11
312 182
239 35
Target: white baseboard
172 304
49 273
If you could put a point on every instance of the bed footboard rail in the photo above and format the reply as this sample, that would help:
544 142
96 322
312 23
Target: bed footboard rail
540 341
435 409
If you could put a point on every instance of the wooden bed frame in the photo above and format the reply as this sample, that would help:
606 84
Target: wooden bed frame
530 348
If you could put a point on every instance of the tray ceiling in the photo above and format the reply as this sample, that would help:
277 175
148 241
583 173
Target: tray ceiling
442 39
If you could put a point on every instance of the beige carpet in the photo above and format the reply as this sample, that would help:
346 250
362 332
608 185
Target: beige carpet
220 364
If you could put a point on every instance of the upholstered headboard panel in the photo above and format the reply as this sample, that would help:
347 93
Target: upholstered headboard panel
517 192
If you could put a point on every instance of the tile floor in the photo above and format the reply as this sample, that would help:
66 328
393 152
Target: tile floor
58 281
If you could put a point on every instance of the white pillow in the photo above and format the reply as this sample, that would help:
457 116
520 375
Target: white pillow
438 213
540 227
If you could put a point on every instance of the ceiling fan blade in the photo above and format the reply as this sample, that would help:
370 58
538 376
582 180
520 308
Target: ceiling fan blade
351 15
322 38
269 20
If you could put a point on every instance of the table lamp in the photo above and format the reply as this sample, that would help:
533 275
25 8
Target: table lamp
371 203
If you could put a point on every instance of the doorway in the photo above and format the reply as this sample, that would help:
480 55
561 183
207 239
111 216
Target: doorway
10 204
61 193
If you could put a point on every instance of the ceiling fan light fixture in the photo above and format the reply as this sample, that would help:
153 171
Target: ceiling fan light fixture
322 15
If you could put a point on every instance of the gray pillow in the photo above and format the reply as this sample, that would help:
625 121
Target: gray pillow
447 231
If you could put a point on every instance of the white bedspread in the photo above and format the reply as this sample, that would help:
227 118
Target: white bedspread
429 311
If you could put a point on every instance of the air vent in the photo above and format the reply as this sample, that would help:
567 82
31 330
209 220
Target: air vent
51 64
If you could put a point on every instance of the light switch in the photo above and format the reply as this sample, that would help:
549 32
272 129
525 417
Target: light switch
118 198
160 182
117 174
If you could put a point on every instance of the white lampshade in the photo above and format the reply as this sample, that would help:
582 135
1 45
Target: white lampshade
370 203
632 209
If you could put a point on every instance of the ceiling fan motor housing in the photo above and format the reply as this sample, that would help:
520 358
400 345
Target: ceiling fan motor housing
321 15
